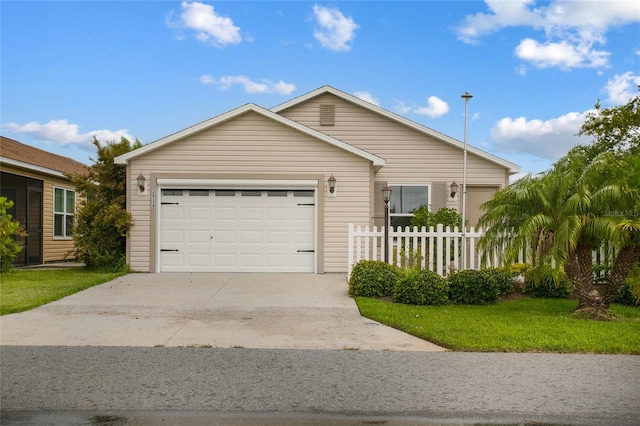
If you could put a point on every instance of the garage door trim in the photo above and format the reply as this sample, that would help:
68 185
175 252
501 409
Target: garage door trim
240 184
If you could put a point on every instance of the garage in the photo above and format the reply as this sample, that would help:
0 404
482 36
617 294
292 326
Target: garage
239 228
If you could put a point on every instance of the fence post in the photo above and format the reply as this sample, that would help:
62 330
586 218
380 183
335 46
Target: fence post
350 252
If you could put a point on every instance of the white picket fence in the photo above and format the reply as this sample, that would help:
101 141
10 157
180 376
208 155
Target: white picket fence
438 249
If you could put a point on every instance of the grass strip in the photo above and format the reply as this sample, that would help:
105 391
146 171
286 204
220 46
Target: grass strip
524 325
21 290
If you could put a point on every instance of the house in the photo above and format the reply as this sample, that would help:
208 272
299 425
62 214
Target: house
44 199
248 190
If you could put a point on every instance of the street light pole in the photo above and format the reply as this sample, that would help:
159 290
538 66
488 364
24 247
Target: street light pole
386 196
466 98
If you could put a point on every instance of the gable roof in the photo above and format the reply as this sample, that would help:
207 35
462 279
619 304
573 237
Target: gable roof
124 158
511 167
34 159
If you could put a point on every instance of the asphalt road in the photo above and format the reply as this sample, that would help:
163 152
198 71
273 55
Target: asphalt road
129 385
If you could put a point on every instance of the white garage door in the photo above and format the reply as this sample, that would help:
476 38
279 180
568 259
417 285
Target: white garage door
203 230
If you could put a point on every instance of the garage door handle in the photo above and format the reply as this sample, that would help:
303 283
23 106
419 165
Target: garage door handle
306 204
306 251
171 204
169 250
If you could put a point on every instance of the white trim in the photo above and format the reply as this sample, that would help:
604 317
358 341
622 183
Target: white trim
31 167
238 183
124 158
512 168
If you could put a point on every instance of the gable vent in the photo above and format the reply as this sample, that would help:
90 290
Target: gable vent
327 115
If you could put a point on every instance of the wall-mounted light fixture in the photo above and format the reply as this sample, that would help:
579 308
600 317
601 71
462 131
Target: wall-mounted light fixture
140 181
454 189
332 184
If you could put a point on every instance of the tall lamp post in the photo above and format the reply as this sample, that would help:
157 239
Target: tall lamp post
466 98
386 196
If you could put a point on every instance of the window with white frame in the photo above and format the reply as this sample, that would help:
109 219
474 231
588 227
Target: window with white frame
64 205
405 199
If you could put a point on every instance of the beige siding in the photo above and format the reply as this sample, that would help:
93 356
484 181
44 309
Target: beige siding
252 145
411 156
53 249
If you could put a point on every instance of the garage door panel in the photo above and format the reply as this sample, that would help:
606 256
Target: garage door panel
235 231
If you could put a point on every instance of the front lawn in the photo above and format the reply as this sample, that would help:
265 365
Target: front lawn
21 290
524 325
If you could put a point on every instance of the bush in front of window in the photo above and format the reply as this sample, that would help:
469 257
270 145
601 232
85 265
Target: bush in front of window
373 278
420 287
10 230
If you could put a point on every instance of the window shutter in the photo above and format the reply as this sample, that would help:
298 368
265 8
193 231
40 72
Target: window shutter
327 115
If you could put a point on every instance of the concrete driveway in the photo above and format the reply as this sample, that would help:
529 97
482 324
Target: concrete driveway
279 311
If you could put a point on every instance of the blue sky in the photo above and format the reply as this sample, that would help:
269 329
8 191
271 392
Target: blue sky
146 69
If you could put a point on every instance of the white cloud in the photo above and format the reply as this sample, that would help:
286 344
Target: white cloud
210 27
563 55
366 96
435 108
550 139
336 31
62 133
571 28
265 86
621 88
207 80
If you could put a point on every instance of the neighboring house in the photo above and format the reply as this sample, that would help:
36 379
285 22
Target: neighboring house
44 199
247 191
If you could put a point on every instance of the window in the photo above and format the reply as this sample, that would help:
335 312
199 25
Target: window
405 199
64 206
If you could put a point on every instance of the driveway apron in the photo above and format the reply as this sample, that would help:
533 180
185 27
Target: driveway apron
279 311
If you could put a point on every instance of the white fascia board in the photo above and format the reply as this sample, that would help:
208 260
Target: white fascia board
238 183
124 158
512 167
32 167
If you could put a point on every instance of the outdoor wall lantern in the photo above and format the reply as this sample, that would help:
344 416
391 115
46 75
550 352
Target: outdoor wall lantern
140 180
332 184
454 189
386 196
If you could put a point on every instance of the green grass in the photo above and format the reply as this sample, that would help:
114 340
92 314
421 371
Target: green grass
21 290
524 325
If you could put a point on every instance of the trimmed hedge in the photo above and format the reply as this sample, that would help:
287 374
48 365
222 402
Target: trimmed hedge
421 287
479 287
373 278
543 282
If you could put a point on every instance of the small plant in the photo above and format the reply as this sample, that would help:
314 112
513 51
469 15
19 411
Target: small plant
10 231
420 287
546 282
373 278
479 287
629 294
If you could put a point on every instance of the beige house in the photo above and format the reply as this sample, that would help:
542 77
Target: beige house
44 199
248 190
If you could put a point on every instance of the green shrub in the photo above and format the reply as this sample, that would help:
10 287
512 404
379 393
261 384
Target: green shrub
629 294
501 278
546 282
373 278
477 287
10 231
420 287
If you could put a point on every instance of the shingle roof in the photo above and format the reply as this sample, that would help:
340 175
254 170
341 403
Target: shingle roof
15 150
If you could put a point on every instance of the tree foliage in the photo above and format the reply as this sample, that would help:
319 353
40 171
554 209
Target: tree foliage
102 220
10 231
590 197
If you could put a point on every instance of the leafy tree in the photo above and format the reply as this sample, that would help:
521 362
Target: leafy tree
590 197
10 230
102 221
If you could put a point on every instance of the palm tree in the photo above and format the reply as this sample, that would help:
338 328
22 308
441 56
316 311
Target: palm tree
558 219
